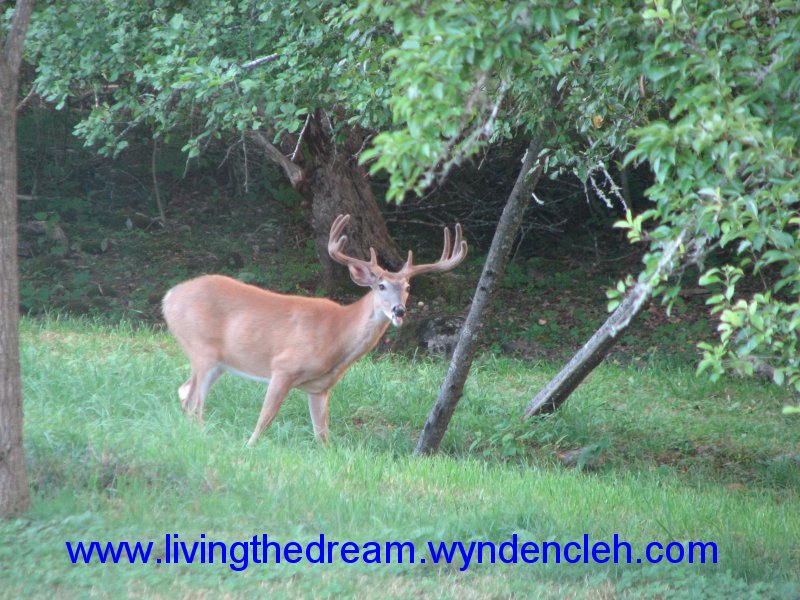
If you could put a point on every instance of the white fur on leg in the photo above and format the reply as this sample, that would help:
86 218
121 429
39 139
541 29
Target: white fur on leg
183 394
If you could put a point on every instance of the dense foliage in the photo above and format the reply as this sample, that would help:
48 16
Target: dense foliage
207 67
705 93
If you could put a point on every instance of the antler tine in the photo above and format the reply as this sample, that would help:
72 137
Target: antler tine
459 248
450 258
337 227
337 241
446 250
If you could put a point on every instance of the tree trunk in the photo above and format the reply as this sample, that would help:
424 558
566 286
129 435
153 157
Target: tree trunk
334 183
15 495
337 184
504 236
593 352
556 392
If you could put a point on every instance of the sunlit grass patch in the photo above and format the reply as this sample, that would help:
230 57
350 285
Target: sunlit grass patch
112 457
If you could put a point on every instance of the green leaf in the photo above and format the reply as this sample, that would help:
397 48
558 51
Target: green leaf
177 21
709 277
782 239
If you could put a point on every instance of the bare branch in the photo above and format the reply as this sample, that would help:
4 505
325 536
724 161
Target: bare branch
363 145
156 193
300 138
26 99
246 166
260 61
292 171
463 148
141 117
615 189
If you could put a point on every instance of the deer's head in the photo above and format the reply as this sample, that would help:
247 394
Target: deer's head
391 289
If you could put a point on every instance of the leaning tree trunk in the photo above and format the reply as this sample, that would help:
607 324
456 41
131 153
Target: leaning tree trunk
334 183
15 495
507 229
556 392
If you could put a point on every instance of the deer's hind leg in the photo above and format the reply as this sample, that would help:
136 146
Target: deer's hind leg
194 391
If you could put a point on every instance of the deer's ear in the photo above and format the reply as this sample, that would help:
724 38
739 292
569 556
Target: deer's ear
361 275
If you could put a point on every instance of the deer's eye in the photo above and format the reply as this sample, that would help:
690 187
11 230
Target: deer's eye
382 287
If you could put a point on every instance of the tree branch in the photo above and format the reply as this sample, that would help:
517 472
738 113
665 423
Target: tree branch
26 99
300 138
260 61
595 350
464 147
292 171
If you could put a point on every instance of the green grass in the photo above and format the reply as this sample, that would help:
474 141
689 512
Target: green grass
112 457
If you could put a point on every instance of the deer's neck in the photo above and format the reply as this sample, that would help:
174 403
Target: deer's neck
369 324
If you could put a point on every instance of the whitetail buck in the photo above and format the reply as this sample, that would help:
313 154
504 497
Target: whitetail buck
289 341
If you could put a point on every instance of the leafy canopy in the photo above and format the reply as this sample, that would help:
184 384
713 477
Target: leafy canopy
704 92
207 66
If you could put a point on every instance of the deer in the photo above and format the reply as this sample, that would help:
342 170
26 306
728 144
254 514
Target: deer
290 341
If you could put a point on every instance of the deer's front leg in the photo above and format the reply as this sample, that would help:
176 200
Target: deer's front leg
279 386
318 407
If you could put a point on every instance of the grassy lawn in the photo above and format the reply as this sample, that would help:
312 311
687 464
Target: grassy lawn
673 458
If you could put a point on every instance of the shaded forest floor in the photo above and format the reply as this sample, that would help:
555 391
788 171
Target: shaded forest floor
112 261
89 245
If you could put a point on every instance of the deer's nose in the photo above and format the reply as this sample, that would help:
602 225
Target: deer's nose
399 310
